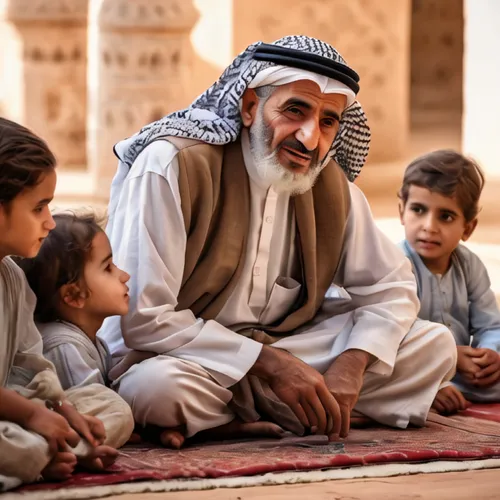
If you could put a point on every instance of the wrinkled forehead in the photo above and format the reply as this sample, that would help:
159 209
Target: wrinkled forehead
309 94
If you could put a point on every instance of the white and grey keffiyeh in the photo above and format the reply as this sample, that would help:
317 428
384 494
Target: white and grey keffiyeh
214 117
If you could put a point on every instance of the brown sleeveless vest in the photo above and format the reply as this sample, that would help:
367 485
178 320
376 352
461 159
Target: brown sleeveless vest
215 202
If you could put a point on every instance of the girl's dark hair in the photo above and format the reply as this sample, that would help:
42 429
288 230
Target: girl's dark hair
448 173
24 157
60 261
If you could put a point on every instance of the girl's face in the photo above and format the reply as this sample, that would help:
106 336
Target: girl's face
26 221
106 282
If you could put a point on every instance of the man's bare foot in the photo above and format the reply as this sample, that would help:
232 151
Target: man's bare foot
173 438
359 422
176 437
60 467
100 458
238 429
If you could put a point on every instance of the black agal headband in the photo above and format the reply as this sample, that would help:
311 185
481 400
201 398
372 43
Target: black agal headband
310 62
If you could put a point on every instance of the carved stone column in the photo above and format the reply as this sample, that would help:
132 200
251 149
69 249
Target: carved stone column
140 67
373 36
45 70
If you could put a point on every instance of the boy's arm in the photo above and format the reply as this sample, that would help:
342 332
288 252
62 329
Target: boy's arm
16 408
484 314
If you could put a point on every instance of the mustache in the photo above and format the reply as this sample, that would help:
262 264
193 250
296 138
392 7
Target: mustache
299 147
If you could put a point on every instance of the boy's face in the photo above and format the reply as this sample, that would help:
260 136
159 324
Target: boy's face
106 282
27 220
434 225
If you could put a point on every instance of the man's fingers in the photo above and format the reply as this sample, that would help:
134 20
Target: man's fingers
312 416
332 408
345 413
300 414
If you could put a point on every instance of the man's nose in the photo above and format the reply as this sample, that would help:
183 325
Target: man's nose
308 134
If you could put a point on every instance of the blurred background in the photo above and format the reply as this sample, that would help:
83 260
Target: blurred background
85 74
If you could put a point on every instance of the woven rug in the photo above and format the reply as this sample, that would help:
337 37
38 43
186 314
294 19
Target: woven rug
472 435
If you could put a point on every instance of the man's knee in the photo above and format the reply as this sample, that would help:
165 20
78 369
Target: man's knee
437 340
161 388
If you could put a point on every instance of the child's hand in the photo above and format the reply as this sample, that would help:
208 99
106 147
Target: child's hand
465 362
53 427
90 428
96 428
488 361
449 400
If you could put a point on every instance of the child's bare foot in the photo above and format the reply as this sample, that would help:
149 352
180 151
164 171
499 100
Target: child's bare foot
100 458
449 400
60 467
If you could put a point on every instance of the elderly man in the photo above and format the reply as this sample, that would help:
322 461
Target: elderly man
261 289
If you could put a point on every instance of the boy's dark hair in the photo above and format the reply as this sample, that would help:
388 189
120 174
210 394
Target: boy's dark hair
24 157
448 173
60 261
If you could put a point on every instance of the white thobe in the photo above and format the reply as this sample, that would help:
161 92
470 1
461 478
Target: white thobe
372 306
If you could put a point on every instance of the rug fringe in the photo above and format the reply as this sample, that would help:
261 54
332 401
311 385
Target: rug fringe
269 479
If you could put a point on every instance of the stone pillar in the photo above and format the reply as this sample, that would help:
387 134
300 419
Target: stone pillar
436 62
44 72
481 83
373 36
140 69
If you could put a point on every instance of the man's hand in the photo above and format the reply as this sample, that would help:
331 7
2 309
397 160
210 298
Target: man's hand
90 428
301 387
449 400
344 380
488 362
53 427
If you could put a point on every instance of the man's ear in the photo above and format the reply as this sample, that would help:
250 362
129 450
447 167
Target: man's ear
72 295
249 106
469 229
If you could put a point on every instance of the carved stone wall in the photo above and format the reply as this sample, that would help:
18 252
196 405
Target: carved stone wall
45 71
140 70
436 60
373 36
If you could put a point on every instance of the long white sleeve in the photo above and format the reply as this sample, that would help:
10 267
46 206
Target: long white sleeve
378 278
72 369
149 241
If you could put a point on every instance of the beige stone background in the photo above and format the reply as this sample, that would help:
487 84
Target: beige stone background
86 73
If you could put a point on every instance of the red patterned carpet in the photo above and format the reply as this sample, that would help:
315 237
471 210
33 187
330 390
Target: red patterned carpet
474 434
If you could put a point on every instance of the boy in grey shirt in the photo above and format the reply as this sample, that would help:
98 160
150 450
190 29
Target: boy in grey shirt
438 208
